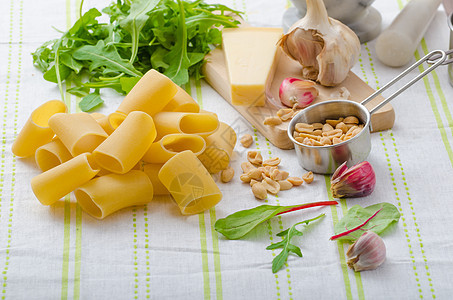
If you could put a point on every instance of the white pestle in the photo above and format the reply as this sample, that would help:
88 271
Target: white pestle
396 45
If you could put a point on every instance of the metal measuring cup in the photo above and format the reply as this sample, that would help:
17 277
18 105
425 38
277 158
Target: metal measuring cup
326 159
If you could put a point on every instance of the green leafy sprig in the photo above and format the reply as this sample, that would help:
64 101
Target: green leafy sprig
285 244
171 36
242 222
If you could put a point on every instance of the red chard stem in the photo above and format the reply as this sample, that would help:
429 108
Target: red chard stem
308 205
355 228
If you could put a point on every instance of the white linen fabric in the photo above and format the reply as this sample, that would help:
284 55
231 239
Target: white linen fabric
152 251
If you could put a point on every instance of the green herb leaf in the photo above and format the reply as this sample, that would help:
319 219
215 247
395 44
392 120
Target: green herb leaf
51 74
67 60
127 83
79 91
286 246
91 101
242 222
105 56
357 215
179 63
135 21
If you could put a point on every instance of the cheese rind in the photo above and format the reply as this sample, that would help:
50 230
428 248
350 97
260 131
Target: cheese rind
250 54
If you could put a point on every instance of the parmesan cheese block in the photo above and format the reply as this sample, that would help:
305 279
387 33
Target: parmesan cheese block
249 54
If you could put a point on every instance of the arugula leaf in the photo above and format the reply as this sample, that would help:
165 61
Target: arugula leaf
242 222
127 83
79 91
91 101
136 20
67 60
51 74
285 244
356 216
106 56
171 36
178 69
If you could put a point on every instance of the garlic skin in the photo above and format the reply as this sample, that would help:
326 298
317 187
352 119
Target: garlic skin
357 181
297 93
367 253
326 48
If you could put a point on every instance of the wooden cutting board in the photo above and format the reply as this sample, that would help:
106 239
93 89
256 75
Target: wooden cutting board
216 75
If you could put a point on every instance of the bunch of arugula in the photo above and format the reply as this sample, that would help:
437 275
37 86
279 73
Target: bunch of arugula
170 36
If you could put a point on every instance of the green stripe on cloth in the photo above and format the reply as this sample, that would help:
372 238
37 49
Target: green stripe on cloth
358 277
67 200
403 216
391 173
135 252
10 208
66 233
78 252
204 256
280 223
213 219
202 228
344 267
148 273
435 109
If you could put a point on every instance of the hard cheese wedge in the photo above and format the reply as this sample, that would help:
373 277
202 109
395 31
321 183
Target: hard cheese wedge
249 54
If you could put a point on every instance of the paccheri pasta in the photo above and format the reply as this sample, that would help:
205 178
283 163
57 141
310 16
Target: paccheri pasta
124 148
53 184
51 155
79 132
201 123
189 183
172 144
151 94
147 147
36 131
182 102
219 148
107 194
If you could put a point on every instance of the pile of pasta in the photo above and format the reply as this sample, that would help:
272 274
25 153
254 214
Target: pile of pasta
158 142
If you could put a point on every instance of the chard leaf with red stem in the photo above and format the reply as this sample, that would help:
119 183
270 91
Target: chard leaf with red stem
242 222
377 218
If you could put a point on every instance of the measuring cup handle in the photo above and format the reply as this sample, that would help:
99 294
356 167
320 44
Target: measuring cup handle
440 56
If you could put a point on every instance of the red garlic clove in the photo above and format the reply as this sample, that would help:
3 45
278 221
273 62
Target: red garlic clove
296 91
357 181
367 253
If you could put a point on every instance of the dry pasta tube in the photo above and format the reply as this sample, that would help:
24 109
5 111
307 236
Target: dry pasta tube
116 118
189 183
79 132
51 155
59 181
124 148
150 94
36 131
103 120
219 148
107 194
172 144
152 170
182 102
180 122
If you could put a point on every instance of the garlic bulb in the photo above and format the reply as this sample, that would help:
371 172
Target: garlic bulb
367 253
297 93
326 48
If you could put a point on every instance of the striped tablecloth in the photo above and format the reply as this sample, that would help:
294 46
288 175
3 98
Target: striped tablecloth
59 252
